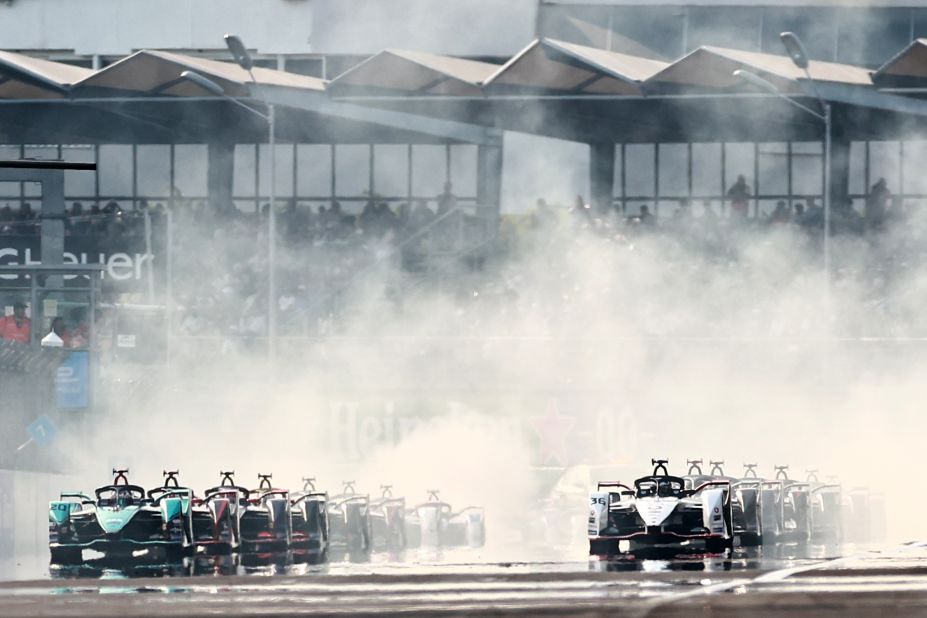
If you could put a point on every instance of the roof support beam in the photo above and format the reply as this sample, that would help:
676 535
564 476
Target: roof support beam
867 97
450 130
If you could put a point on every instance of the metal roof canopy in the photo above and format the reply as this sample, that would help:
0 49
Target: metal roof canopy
403 71
695 98
142 99
558 67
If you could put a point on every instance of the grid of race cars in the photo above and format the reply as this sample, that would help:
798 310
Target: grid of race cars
703 510
123 520
714 512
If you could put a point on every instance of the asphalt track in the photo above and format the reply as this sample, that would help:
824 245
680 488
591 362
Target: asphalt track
887 581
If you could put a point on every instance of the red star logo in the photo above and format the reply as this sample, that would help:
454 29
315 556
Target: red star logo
552 430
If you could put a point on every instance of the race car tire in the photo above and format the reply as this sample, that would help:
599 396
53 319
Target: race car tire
604 547
719 545
66 555
751 539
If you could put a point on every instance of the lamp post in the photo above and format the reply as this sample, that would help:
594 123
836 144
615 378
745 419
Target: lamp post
240 53
824 116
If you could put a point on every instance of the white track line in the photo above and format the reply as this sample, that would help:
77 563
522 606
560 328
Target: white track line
772 576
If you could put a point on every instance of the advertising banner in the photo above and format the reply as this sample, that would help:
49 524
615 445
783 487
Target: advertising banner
72 382
125 257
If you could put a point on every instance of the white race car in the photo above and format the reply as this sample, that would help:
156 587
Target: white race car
660 512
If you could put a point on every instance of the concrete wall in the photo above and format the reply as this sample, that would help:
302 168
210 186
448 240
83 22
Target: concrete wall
119 27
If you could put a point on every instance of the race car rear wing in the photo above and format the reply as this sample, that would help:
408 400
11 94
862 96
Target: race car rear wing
311 495
619 484
169 492
77 494
714 483
266 493
827 487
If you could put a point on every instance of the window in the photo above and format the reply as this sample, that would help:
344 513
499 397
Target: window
352 170
639 172
706 170
915 160
807 169
391 170
884 162
674 170
463 170
283 170
774 169
190 164
115 170
79 183
243 174
314 170
429 170
154 170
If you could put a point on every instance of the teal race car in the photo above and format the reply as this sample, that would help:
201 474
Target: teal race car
121 521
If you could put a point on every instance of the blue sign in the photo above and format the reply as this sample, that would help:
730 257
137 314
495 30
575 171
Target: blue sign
42 431
72 381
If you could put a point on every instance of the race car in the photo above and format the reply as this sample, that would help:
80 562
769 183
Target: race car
660 513
217 516
120 521
387 520
434 523
790 507
309 512
349 520
825 509
265 522
746 498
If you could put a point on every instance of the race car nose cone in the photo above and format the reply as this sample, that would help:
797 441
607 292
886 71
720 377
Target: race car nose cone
655 512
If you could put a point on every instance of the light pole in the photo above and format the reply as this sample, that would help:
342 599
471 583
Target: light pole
801 60
240 53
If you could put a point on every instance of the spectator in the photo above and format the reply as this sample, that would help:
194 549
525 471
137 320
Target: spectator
446 201
16 327
877 204
80 334
646 218
291 223
26 220
581 211
544 216
781 213
422 215
799 212
739 194
385 218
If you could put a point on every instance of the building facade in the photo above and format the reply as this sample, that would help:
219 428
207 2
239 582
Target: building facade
324 38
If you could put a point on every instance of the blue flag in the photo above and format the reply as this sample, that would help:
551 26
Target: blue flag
42 431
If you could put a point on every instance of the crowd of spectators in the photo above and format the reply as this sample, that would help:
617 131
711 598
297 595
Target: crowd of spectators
219 254
731 213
